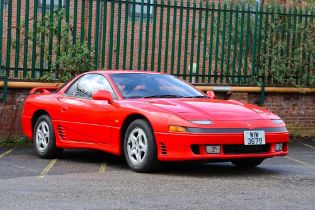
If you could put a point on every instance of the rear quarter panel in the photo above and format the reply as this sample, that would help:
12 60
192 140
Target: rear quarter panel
34 103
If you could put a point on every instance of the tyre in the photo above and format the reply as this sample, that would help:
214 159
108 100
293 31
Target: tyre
247 163
44 138
140 147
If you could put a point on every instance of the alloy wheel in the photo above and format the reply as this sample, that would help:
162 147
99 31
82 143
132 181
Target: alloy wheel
42 136
137 146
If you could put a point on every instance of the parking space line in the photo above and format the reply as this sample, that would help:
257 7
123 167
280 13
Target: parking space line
102 168
47 168
298 161
309 146
6 153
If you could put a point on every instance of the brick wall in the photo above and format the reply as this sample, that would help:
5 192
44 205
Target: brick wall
297 110
10 113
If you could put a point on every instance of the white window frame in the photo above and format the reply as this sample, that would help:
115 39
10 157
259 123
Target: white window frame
138 8
40 3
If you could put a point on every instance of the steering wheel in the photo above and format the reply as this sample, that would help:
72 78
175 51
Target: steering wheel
140 93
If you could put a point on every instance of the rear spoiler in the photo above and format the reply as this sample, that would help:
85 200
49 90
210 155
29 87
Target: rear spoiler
43 90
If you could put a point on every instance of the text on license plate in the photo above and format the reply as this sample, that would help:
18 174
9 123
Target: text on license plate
254 137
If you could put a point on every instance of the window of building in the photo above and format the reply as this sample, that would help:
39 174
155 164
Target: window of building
55 3
5 4
138 6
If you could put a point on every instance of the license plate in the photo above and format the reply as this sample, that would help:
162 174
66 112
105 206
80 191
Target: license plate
254 137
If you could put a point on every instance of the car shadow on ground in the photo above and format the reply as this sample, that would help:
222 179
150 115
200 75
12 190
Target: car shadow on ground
94 157
198 169
221 169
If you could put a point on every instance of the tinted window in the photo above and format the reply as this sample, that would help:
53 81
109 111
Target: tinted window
153 85
86 85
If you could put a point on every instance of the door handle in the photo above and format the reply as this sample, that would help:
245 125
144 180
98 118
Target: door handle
64 109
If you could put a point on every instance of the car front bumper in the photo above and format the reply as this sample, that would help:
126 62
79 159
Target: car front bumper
190 146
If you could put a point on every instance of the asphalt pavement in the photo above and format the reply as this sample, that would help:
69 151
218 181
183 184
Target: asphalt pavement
85 179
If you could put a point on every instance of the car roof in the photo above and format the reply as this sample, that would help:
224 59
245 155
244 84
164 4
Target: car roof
123 72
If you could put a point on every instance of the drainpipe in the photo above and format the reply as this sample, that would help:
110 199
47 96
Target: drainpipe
5 88
254 89
29 85
239 89
194 71
261 99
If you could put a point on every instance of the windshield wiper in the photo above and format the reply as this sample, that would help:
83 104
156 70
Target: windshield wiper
163 96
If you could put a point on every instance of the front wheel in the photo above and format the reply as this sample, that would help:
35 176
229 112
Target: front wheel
247 163
44 138
140 147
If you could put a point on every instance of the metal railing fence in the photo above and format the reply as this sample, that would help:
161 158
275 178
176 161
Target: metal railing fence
201 41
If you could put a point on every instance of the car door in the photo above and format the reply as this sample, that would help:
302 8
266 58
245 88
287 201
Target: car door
85 119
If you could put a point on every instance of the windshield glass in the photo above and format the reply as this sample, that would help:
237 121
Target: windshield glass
153 86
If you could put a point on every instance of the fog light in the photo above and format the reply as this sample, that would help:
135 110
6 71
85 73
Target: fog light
213 149
279 147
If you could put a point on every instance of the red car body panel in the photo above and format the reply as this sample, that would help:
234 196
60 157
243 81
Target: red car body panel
96 124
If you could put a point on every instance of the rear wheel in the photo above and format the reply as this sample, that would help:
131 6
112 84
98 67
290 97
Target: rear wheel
247 163
44 138
140 147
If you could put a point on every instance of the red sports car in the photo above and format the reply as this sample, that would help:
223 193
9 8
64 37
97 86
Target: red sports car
149 118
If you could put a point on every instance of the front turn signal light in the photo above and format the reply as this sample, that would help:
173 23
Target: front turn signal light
176 128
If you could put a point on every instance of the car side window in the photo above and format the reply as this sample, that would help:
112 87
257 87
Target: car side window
85 86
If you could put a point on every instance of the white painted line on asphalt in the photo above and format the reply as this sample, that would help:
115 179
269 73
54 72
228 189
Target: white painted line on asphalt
6 153
309 146
102 168
298 161
47 168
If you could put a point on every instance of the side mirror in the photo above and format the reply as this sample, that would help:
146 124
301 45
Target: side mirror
103 95
210 94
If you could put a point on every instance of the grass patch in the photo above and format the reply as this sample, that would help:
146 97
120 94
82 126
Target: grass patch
14 141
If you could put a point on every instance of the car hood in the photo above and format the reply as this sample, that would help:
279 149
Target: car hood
212 109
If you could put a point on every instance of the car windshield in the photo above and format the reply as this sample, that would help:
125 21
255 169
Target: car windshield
142 85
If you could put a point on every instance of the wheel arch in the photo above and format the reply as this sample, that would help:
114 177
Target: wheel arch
36 115
128 120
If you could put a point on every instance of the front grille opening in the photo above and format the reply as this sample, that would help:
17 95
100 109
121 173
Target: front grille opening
245 149
195 149
163 149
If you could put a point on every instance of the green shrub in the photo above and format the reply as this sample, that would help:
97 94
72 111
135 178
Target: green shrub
68 59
